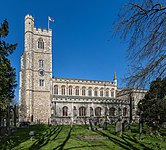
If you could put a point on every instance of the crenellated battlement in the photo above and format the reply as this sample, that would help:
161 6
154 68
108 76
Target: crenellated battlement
29 26
28 16
41 31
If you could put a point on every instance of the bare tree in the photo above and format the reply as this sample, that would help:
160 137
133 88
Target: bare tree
142 23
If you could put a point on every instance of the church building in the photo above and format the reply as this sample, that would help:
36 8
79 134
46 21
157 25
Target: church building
47 99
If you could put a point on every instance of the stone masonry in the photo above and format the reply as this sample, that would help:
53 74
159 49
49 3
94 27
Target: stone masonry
44 99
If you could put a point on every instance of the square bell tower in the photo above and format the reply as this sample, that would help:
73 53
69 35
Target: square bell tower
36 73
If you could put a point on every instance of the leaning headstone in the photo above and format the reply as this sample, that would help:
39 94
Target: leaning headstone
118 127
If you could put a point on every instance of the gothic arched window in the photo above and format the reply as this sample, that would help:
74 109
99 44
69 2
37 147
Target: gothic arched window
77 90
107 92
55 89
101 92
112 92
82 111
124 111
98 111
83 91
96 92
70 90
65 111
40 43
90 91
112 111
63 90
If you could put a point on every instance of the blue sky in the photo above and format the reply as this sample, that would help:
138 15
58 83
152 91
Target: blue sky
83 46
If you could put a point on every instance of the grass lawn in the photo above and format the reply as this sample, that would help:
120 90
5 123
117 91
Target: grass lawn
79 138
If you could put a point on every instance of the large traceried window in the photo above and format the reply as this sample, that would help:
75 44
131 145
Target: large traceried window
77 90
101 92
124 111
82 111
97 111
90 91
55 89
40 43
63 90
70 90
83 91
112 111
65 111
96 92
41 63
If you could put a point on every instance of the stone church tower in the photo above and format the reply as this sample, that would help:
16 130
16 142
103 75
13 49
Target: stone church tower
36 73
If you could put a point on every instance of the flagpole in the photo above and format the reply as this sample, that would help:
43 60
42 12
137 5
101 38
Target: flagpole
48 23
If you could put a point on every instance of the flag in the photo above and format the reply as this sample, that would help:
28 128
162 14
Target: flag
50 19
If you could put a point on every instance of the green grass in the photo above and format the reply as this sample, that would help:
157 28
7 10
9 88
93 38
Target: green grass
66 138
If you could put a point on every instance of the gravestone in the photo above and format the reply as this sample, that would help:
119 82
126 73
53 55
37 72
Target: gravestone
125 125
105 125
91 124
118 127
32 135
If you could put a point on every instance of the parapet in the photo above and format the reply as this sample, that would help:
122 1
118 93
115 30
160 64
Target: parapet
28 16
69 80
38 31
41 31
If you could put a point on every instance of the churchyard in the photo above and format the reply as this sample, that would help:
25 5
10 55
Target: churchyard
80 137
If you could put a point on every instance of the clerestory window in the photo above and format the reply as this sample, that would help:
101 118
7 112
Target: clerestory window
77 90
83 91
70 90
63 90
56 89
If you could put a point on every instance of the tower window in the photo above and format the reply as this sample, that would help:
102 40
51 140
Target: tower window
41 63
40 43
41 82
